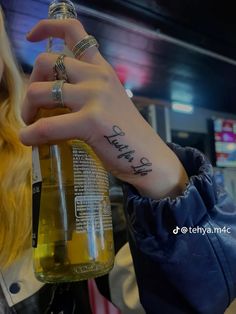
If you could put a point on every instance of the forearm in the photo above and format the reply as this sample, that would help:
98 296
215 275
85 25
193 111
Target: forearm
143 160
168 177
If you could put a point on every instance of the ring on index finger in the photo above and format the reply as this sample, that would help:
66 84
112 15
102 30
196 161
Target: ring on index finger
84 44
60 69
57 94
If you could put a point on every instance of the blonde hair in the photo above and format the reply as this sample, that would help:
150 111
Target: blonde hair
15 161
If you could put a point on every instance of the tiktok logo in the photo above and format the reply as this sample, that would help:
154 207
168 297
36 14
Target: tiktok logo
176 230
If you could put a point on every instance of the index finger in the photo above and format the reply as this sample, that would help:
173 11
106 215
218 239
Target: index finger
71 30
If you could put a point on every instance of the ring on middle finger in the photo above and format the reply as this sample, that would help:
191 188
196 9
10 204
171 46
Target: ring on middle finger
60 69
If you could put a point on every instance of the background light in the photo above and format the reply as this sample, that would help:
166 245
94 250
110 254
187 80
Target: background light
129 92
183 134
183 108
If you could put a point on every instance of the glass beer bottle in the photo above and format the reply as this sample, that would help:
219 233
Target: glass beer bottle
72 226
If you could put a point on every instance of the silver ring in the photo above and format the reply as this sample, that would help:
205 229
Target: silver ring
84 44
60 69
57 92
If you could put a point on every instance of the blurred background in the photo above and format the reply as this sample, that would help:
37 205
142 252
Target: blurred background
176 59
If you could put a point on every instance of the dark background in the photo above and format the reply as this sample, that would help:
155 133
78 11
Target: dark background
140 44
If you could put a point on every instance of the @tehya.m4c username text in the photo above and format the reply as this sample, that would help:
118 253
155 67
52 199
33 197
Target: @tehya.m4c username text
201 230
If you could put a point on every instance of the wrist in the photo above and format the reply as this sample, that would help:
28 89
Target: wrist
156 188
167 178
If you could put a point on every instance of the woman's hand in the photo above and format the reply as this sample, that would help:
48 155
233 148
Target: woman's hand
101 114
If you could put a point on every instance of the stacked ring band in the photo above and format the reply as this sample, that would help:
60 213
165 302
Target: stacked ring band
59 69
84 44
57 92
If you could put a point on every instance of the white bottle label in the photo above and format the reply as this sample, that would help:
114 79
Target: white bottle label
36 188
36 171
92 204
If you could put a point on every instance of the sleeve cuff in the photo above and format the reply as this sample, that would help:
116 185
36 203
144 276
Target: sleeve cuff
149 217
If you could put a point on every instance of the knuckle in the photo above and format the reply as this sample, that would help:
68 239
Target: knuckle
107 75
33 91
43 128
100 92
97 119
41 60
73 24
104 75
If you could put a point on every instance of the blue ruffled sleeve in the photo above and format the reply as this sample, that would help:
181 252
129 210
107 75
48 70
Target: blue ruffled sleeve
184 249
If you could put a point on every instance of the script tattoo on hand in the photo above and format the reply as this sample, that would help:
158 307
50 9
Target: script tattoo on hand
143 167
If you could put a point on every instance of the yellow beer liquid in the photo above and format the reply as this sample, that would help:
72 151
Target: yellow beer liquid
75 238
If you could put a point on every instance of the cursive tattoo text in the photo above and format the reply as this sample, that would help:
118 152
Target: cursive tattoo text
143 167
115 139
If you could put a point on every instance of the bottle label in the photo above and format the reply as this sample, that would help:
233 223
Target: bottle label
92 212
37 186
92 204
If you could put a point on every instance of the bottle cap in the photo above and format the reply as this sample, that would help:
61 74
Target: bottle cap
59 9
